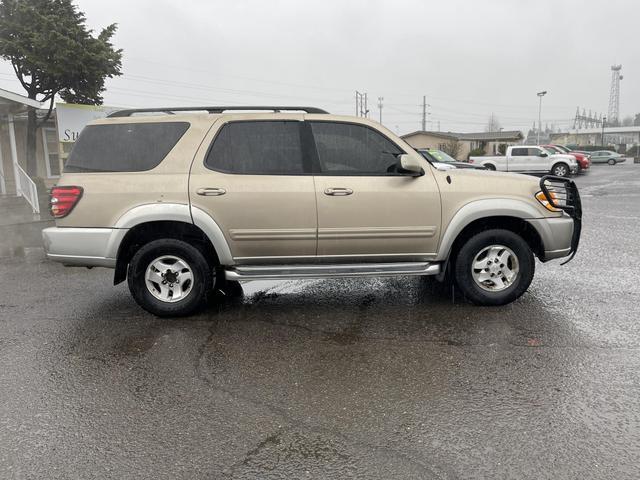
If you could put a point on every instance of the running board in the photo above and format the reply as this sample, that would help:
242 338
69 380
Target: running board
280 272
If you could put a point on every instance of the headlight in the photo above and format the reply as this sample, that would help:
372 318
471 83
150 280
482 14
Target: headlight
544 201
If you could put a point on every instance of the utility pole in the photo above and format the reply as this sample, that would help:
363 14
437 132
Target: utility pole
361 105
366 108
540 95
380 99
604 120
424 113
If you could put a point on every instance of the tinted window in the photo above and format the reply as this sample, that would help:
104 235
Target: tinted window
519 152
125 147
349 149
259 148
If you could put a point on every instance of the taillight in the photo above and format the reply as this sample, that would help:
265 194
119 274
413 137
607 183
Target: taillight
63 199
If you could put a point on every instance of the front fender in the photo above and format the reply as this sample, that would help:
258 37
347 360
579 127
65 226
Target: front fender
476 210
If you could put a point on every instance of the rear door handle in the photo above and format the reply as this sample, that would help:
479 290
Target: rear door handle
338 191
211 191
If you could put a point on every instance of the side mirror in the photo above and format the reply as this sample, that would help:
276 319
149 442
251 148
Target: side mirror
409 165
544 154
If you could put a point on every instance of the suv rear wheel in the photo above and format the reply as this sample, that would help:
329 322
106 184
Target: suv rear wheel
494 267
169 278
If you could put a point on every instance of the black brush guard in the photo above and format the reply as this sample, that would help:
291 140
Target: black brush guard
562 193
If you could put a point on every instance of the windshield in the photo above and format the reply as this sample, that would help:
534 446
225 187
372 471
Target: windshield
550 150
562 148
440 156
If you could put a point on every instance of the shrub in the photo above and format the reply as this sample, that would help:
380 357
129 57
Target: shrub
476 152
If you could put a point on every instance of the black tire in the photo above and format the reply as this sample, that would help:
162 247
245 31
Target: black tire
560 170
612 161
201 272
490 167
472 247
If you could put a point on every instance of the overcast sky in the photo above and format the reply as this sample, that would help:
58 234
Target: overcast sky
470 57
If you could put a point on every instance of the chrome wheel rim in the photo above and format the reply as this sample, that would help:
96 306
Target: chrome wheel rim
495 268
169 278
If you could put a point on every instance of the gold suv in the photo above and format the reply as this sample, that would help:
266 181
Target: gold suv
181 200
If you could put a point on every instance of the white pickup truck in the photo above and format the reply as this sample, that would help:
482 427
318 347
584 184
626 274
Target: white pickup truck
530 159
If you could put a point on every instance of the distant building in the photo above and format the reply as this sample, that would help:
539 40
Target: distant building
622 138
463 143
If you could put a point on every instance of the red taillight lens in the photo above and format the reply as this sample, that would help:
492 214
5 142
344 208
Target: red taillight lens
63 199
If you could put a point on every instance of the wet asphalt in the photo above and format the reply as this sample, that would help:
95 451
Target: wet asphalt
379 378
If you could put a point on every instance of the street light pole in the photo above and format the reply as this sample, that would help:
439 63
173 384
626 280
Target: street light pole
540 95
604 120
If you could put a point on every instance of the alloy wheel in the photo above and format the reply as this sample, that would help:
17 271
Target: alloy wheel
169 278
495 268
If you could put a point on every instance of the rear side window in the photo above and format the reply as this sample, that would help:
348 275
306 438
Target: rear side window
519 152
257 148
125 147
350 149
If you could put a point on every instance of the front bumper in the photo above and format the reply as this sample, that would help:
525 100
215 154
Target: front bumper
562 194
84 247
556 234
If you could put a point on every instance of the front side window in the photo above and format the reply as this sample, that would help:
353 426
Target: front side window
534 152
351 149
257 148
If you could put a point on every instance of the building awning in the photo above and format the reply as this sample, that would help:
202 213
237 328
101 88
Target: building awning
11 102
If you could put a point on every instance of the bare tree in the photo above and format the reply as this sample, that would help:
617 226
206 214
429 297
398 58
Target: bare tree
452 148
493 124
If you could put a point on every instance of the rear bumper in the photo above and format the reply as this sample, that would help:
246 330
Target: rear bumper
84 247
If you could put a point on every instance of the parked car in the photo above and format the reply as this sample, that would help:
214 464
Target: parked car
607 156
530 159
178 204
582 158
438 157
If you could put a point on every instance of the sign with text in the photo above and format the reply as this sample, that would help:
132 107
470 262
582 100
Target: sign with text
72 118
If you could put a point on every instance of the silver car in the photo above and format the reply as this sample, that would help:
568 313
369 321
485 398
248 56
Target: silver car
606 156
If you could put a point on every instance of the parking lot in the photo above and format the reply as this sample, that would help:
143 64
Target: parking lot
381 378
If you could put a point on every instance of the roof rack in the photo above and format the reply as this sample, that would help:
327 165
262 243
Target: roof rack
171 110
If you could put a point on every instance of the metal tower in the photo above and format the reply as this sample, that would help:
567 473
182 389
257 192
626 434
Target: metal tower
614 95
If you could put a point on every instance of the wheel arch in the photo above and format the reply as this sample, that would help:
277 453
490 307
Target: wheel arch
145 232
489 163
164 220
509 214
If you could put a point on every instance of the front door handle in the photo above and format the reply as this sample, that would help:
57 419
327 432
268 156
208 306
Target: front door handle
338 191
211 191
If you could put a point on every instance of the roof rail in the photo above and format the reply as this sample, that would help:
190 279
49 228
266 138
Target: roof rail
171 110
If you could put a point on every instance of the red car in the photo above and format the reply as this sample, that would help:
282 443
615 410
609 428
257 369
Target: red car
583 160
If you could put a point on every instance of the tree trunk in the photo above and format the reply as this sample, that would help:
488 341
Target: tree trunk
32 126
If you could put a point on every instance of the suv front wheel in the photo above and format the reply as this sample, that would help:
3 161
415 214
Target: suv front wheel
169 278
494 267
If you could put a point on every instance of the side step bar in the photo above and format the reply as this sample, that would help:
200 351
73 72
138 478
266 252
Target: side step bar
280 272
